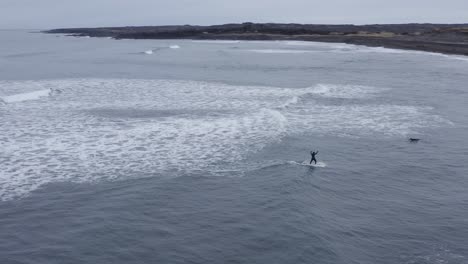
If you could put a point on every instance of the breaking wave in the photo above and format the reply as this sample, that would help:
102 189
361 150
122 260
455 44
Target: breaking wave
26 96
105 129
217 41
281 51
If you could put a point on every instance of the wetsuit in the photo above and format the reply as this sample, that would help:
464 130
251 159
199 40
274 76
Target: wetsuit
313 157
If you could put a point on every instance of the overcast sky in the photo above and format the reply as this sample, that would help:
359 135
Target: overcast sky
42 14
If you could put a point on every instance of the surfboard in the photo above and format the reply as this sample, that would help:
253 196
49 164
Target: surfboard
306 163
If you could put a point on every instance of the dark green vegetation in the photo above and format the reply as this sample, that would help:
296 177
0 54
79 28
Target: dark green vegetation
444 38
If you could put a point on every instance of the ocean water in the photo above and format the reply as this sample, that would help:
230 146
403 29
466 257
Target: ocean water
179 151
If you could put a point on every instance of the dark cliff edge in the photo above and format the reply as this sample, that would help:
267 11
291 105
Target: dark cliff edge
441 38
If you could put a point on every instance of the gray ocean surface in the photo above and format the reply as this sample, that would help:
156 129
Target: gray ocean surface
180 151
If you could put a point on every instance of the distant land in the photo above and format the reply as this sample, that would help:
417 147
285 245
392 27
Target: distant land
442 38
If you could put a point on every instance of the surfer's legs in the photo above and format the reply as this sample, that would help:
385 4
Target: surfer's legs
314 161
311 161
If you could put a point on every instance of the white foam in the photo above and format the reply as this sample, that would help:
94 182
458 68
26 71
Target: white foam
104 129
351 48
149 52
343 47
174 47
459 58
345 91
217 41
385 50
319 164
363 120
319 44
26 96
454 57
294 100
399 51
365 49
280 51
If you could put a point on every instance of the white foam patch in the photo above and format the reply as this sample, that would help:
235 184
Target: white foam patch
281 51
385 50
149 52
343 47
351 48
98 129
365 49
319 44
319 164
363 120
454 57
174 47
345 91
459 58
217 41
26 96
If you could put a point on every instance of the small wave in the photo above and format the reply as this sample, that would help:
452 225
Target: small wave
364 49
345 91
318 44
280 51
319 164
352 48
385 50
459 58
217 41
26 96
152 51
453 57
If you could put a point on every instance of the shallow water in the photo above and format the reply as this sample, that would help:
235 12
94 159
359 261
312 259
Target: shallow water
193 152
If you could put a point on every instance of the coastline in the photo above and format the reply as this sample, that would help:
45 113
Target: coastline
439 38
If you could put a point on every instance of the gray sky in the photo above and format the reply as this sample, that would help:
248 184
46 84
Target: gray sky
42 14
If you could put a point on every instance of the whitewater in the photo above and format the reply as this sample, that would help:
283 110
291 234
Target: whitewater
109 128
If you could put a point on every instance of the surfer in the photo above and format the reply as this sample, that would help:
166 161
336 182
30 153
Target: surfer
313 157
53 91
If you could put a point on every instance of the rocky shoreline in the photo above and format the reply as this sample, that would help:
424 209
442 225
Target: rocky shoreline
441 38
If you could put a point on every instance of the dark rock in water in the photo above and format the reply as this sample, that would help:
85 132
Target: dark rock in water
414 140
443 38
